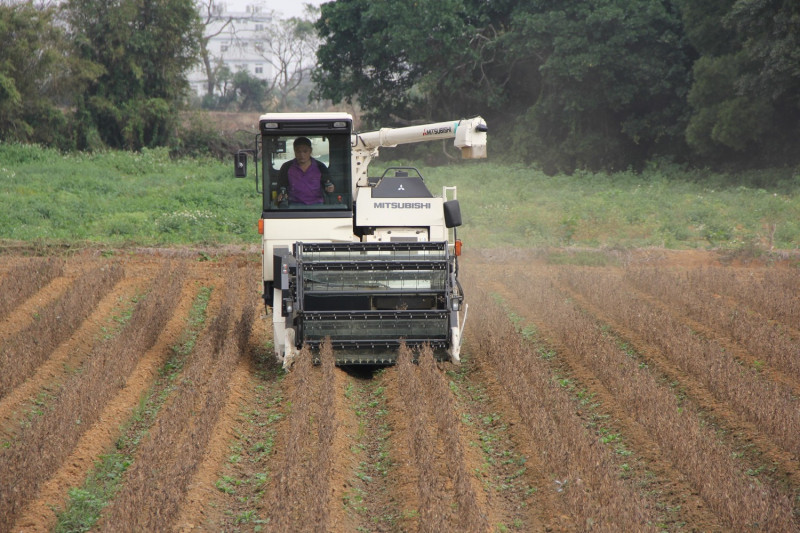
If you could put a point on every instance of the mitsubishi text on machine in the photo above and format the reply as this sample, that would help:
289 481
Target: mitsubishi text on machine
402 205
437 131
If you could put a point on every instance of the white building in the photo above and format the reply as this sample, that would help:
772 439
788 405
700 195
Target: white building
236 45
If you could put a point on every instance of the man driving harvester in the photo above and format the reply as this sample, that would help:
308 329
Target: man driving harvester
303 179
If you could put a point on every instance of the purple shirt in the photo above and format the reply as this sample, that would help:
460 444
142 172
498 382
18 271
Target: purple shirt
305 187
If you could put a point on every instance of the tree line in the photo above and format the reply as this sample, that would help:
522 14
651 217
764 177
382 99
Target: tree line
88 74
594 84
566 84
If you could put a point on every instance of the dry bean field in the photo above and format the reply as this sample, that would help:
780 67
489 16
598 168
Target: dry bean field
655 390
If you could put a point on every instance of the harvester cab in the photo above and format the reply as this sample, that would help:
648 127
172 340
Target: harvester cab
367 262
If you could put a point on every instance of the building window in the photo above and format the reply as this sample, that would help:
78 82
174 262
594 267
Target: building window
223 48
259 27
259 69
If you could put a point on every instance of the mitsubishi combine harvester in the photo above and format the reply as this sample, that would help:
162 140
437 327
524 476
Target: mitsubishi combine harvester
368 262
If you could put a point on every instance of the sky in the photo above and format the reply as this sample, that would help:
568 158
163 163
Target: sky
286 8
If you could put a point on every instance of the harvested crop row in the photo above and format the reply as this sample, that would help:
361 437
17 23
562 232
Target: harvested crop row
763 339
450 496
469 500
301 495
764 403
773 292
434 509
43 445
103 451
25 279
35 392
154 486
587 476
707 463
20 355
228 491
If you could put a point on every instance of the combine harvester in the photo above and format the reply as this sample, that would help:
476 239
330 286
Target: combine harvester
368 262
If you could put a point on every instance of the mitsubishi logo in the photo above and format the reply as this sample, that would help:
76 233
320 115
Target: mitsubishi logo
400 188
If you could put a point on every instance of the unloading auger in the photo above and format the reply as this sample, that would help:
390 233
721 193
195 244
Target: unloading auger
367 262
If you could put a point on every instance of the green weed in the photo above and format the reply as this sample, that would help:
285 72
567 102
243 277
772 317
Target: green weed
147 198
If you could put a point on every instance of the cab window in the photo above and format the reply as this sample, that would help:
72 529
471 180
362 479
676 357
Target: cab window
307 172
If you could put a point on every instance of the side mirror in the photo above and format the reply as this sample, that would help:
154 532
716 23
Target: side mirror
240 164
452 214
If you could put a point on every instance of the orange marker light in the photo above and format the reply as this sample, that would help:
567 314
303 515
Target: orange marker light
261 226
458 247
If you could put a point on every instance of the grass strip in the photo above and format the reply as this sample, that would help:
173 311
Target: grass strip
148 198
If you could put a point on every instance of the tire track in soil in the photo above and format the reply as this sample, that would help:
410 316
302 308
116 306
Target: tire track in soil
40 515
749 439
675 490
